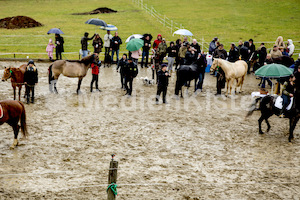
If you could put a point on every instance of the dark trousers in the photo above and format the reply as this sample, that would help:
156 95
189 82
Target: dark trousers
200 82
286 101
122 80
95 79
220 85
28 89
128 80
145 53
161 89
107 50
177 61
58 55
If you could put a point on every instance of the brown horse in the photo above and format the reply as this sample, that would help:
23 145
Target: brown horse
72 69
12 112
17 78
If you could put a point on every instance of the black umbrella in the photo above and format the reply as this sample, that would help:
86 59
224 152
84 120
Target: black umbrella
147 34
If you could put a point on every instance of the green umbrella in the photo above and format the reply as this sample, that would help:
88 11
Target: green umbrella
134 44
273 71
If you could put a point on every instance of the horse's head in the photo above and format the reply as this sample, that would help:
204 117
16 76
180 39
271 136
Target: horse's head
94 58
214 65
7 73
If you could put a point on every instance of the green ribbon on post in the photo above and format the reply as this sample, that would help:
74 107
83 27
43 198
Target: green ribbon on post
113 188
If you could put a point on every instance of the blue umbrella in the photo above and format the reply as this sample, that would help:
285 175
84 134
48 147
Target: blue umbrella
109 27
55 31
97 22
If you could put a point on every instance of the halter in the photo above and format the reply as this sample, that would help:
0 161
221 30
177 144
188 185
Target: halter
10 74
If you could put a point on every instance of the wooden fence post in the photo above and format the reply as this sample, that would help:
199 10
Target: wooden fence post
112 177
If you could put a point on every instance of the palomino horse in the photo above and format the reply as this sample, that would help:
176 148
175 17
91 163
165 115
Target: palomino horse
17 78
233 71
72 69
12 112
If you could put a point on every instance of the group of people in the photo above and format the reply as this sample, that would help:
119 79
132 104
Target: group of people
59 47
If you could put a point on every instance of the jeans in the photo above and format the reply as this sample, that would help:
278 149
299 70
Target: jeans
28 89
200 82
171 61
145 53
84 53
286 101
263 85
112 55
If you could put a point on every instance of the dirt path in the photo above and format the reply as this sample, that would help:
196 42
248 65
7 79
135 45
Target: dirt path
200 147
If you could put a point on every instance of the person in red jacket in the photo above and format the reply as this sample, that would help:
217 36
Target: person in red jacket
157 41
95 72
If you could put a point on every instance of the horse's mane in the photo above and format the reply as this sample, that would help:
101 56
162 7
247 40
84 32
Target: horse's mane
86 60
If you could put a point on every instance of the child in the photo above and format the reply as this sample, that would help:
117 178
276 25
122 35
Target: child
49 49
163 81
30 80
95 72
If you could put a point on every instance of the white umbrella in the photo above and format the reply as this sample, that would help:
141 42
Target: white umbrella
183 32
139 36
109 27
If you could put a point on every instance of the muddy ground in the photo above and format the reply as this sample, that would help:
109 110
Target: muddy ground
199 147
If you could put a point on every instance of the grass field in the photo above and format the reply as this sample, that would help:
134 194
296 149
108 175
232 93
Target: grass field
229 20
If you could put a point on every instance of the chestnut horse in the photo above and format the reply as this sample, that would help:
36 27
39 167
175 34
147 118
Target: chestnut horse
233 71
11 112
17 78
72 69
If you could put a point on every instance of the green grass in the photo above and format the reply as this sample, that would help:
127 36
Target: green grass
230 20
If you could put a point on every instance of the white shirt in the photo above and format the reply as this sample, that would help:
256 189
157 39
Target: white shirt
107 39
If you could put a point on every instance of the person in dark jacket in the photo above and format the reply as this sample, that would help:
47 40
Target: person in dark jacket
212 46
162 84
202 64
98 44
196 46
220 52
177 59
251 46
296 65
245 52
30 80
146 48
172 53
239 47
288 91
115 46
84 43
190 56
121 65
59 41
233 53
221 80
95 73
130 72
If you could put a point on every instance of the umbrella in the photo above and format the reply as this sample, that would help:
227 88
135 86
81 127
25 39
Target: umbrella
97 22
55 31
109 27
273 71
183 32
133 36
134 44
147 34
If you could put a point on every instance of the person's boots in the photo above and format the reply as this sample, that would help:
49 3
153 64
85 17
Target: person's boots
32 99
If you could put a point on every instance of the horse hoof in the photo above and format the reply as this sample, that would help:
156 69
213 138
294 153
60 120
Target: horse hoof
12 147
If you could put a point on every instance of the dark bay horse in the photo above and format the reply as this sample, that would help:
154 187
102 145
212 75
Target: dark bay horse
17 78
11 112
267 108
187 73
72 69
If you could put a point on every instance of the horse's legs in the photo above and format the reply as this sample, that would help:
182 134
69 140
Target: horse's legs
79 84
231 83
259 124
241 84
54 83
14 88
268 124
237 83
16 129
293 122
20 88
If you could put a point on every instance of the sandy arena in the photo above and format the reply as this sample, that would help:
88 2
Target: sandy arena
199 147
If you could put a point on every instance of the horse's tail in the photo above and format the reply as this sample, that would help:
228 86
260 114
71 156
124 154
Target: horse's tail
50 73
23 121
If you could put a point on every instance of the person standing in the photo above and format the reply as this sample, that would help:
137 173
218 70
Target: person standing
196 46
220 52
162 50
172 53
30 80
121 65
163 81
182 51
212 46
233 53
97 44
275 52
84 44
157 42
135 56
251 46
107 39
202 64
130 73
290 47
49 49
95 74
146 48
115 46
59 41
177 59
221 80
190 56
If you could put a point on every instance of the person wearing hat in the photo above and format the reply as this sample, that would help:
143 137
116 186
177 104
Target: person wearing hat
162 50
30 80
157 42
182 51
130 72
275 52
212 45
162 84
84 43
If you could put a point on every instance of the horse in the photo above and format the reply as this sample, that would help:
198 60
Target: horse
187 73
233 71
11 112
267 108
17 78
70 69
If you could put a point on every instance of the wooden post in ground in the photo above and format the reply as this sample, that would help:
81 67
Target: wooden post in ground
112 177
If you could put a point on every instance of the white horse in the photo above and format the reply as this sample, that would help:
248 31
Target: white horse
233 71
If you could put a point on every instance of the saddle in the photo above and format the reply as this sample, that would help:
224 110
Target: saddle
279 103
1 111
